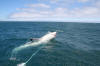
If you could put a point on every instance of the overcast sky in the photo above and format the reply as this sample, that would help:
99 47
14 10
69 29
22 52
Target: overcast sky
50 10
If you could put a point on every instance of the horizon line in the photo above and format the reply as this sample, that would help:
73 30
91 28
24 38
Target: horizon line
53 21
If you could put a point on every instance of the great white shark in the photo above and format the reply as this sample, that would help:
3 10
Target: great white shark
43 40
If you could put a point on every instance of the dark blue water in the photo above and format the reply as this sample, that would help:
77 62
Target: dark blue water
77 45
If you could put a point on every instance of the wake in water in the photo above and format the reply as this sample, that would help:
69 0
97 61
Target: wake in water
24 64
43 40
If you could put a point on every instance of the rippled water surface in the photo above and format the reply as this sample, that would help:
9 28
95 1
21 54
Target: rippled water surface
77 45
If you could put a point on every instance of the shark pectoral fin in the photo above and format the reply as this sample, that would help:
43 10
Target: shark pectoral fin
34 39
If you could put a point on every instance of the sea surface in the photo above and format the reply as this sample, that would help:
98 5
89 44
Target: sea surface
76 44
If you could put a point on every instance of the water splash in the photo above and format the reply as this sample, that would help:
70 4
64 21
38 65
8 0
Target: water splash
24 64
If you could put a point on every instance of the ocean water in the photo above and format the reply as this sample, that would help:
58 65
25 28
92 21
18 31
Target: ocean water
78 44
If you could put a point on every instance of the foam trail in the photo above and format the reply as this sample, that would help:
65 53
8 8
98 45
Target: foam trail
24 64
43 40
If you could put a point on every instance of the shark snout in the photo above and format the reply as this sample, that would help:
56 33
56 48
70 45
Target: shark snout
54 33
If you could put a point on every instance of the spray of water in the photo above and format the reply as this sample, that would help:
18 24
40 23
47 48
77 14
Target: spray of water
24 63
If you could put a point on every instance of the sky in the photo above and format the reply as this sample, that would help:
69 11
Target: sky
50 10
